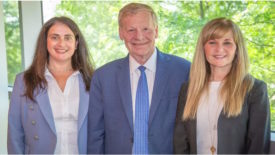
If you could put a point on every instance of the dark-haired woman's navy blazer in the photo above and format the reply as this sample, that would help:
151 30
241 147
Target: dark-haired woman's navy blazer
31 128
247 133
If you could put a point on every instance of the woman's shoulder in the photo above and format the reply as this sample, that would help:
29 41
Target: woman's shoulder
258 92
258 82
19 79
20 75
259 85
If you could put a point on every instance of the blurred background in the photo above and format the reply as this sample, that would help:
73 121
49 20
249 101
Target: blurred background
179 25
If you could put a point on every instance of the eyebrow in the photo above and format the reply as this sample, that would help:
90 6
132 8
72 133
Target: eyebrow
228 39
66 35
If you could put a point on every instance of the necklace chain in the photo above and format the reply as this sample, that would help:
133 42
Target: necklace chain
212 127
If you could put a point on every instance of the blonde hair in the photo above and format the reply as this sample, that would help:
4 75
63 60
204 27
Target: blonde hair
134 8
236 83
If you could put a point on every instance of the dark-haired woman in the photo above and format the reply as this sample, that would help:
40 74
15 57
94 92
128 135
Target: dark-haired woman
49 102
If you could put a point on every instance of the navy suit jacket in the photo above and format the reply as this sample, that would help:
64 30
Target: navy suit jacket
31 128
110 116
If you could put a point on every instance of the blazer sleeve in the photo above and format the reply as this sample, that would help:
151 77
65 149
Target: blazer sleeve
258 137
16 143
96 131
181 144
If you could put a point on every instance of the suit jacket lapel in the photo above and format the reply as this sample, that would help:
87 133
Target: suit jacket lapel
45 108
192 131
125 89
159 84
83 102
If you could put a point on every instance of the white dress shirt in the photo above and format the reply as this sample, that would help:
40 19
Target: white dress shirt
208 113
150 72
64 107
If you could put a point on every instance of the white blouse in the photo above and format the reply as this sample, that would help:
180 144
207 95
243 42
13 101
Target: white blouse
65 112
208 113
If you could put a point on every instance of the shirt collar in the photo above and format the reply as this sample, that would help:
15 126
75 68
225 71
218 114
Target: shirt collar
151 63
49 74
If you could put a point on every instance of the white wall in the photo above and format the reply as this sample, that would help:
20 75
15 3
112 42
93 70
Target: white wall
30 13
4 100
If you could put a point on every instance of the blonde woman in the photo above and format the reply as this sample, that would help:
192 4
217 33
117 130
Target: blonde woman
222 109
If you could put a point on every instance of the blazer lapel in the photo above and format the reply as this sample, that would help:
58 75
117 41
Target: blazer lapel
83 102
45 108
192 130
159 84
125 89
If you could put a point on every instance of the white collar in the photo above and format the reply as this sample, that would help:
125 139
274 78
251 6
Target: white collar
151 63
49 74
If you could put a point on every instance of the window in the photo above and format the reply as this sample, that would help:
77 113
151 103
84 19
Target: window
10 60
179 27
12 35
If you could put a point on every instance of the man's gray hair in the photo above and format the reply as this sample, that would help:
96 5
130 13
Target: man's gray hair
133 8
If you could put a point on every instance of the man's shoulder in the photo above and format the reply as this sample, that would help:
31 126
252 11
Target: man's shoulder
113 65
174 60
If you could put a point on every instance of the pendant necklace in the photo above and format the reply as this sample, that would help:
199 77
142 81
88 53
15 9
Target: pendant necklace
213 126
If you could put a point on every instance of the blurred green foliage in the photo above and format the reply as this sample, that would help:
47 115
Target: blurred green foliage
12 34
179 25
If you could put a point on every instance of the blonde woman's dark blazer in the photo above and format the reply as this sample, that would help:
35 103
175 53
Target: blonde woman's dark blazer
247 133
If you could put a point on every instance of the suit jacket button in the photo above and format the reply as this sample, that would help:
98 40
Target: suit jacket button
132 140
36 137
33 122
31 107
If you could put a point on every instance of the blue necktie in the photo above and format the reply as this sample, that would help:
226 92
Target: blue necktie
141 115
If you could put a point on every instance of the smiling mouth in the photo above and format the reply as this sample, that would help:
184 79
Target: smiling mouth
61 51
140 44
219 56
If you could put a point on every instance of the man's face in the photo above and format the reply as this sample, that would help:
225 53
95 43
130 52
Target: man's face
139 33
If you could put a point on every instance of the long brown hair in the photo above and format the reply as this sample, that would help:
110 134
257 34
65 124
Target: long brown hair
34 76
236 83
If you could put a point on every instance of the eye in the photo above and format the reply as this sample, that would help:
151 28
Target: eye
211 42
68 38
131 30
227 43
54 37
145 29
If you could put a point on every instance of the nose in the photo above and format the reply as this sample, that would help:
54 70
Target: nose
139 35
219 48
61 42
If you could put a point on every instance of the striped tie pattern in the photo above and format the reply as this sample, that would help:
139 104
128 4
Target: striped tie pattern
141 115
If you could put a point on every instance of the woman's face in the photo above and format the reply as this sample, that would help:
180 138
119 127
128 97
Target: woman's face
220 52
61 43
